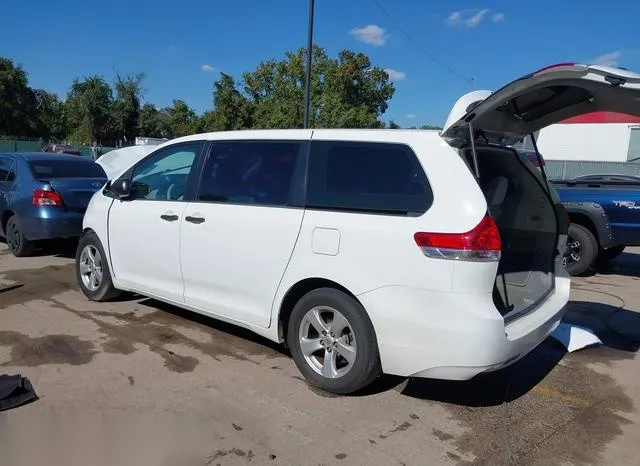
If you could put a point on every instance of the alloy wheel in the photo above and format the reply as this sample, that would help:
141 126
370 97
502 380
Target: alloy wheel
91 267
327 342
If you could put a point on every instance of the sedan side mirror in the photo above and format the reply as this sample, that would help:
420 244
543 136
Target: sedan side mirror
121 188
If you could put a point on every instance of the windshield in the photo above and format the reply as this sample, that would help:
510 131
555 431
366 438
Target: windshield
51 169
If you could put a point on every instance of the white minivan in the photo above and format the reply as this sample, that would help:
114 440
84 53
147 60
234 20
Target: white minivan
414 253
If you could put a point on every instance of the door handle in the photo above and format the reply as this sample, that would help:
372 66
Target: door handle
196 220
169 217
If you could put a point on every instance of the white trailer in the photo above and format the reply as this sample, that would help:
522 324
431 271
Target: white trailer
594 137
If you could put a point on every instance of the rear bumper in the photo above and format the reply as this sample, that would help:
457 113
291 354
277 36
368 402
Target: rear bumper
52 225
455 336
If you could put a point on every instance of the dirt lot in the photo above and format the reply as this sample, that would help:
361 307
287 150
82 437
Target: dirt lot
139 382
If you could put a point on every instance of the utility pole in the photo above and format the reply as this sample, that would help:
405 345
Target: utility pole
307 84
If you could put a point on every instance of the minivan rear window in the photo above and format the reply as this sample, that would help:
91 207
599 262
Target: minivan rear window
51 169
371 177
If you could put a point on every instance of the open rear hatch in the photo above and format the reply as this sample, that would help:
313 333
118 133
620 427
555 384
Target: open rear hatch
531 220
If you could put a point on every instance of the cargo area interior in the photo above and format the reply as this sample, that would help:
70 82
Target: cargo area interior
526 218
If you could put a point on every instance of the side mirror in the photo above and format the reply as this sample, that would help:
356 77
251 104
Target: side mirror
121 188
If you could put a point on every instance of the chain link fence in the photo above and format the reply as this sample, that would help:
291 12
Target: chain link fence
20 146
37 146
568 169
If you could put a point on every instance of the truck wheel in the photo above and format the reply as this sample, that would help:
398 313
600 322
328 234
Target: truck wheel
333 342
581 251
610 254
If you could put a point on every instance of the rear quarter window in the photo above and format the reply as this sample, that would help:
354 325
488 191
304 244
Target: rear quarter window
51 169
367 177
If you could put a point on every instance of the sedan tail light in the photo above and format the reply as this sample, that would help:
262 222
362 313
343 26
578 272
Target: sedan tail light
482 244
42 197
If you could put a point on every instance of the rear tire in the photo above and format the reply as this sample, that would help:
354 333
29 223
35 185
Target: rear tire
610 254
17 243
343 360
92 270
582 250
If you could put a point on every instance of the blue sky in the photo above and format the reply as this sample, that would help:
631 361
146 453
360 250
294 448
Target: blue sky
183 45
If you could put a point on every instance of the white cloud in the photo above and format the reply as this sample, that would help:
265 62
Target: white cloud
207 68
411 116
497 17
607 59
467 18
395 75
371 34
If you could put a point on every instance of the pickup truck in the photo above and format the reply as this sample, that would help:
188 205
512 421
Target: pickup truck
604 211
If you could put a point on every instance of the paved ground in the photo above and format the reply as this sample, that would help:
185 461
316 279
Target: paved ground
138 382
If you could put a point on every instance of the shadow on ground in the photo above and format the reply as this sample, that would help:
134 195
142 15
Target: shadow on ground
618 328
211 323
627 264
64 248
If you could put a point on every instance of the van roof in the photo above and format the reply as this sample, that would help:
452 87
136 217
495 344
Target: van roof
298 133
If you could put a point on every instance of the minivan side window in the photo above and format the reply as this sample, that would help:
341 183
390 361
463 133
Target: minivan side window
369 177
163 176
252 173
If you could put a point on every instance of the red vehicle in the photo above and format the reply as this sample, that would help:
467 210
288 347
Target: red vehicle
64 149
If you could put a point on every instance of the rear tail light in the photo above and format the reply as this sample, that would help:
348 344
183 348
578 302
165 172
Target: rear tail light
482 244
43 197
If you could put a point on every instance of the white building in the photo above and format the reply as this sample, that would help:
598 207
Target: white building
594 137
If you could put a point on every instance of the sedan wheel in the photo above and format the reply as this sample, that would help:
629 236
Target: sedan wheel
17 243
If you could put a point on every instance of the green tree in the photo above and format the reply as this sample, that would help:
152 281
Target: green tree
181 118
347 92
232 110
125 111
51 118
88 108
18 106
154 123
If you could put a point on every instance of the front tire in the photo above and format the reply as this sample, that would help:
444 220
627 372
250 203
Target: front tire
17 243
92 270
333 342
581 251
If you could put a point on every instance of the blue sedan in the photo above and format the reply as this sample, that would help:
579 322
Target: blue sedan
44 196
